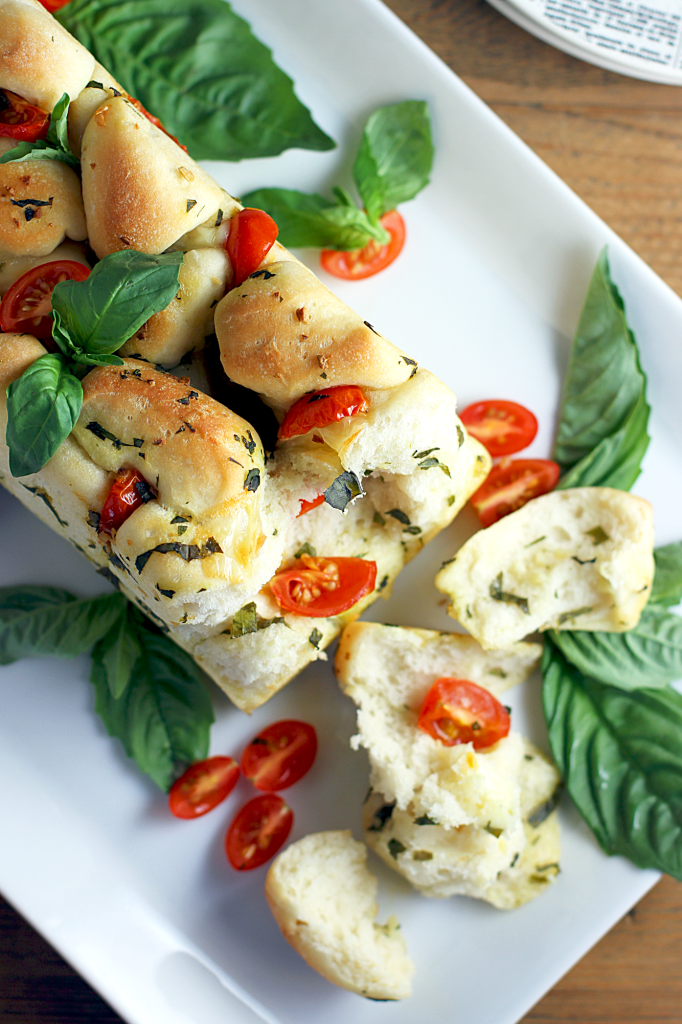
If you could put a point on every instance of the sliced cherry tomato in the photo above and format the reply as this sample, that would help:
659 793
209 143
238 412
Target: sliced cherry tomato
21 120
457 711
54 5
321 408
27 303
502 427
203 786
308 506
355 264
143 110
258 831
320 587
511 484
129 490
251 237
280 755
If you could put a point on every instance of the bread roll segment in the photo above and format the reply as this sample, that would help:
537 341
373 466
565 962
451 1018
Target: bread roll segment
40 205
324 901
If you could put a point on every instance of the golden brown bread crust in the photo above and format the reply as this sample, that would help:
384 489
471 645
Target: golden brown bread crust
83 106
283 333
191 448
17 353
35 229
39 60
140 190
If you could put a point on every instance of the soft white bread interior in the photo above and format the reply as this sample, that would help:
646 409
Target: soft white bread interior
573 559
40 60
100 87
40 205
449 819
324 901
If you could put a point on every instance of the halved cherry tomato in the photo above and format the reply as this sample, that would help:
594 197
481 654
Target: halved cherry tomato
280 755
458 711
322 408
258 831
21 120
27 303
511 484
502 427
150 117
320 587
128 491
355 264
308 506
54 5
203 786
252 235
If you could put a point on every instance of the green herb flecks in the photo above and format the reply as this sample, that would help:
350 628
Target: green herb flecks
344 490
498 594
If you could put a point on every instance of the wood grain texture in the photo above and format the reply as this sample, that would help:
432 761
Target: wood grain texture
618 144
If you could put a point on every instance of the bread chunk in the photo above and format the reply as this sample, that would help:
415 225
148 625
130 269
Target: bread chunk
13 267
40 205
574 559
324 901
451 820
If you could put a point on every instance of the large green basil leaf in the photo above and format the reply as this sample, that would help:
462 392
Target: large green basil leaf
118 651
602 435
42 408
123 290
395 157
312 220
648 655
55 147
49 621
667 588
621 758
164 715
197 66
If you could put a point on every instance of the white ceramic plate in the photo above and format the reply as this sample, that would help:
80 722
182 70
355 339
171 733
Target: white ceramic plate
487 294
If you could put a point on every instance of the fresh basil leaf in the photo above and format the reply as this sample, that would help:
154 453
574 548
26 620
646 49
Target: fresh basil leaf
117 652
648 655
164 715
197 66
87 359
345 489
620 754
49 621
245 621
42 408
312 220
667 587
602 435
395 157
123 290
55 147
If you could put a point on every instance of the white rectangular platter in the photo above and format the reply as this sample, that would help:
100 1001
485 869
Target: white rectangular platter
486 293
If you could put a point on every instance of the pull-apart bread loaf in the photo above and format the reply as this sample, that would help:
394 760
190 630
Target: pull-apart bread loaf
324 900
221 516
575 559
450 819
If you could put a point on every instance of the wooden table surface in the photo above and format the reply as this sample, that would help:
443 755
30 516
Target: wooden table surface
618 144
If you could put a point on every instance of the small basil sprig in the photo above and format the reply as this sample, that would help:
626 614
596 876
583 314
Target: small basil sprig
149 693
92 319
54 147
393 164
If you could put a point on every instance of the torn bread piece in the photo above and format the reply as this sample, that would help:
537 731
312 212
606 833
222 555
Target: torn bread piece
324 901
575 559
450 819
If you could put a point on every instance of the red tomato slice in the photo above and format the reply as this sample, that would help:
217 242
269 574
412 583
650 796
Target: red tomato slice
320 587
136 103
280 755
511 484
321 408
457 711
355 264
308 506
27 303
203 786
54 5
258 831
252 235
504 428
21 120
129 490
